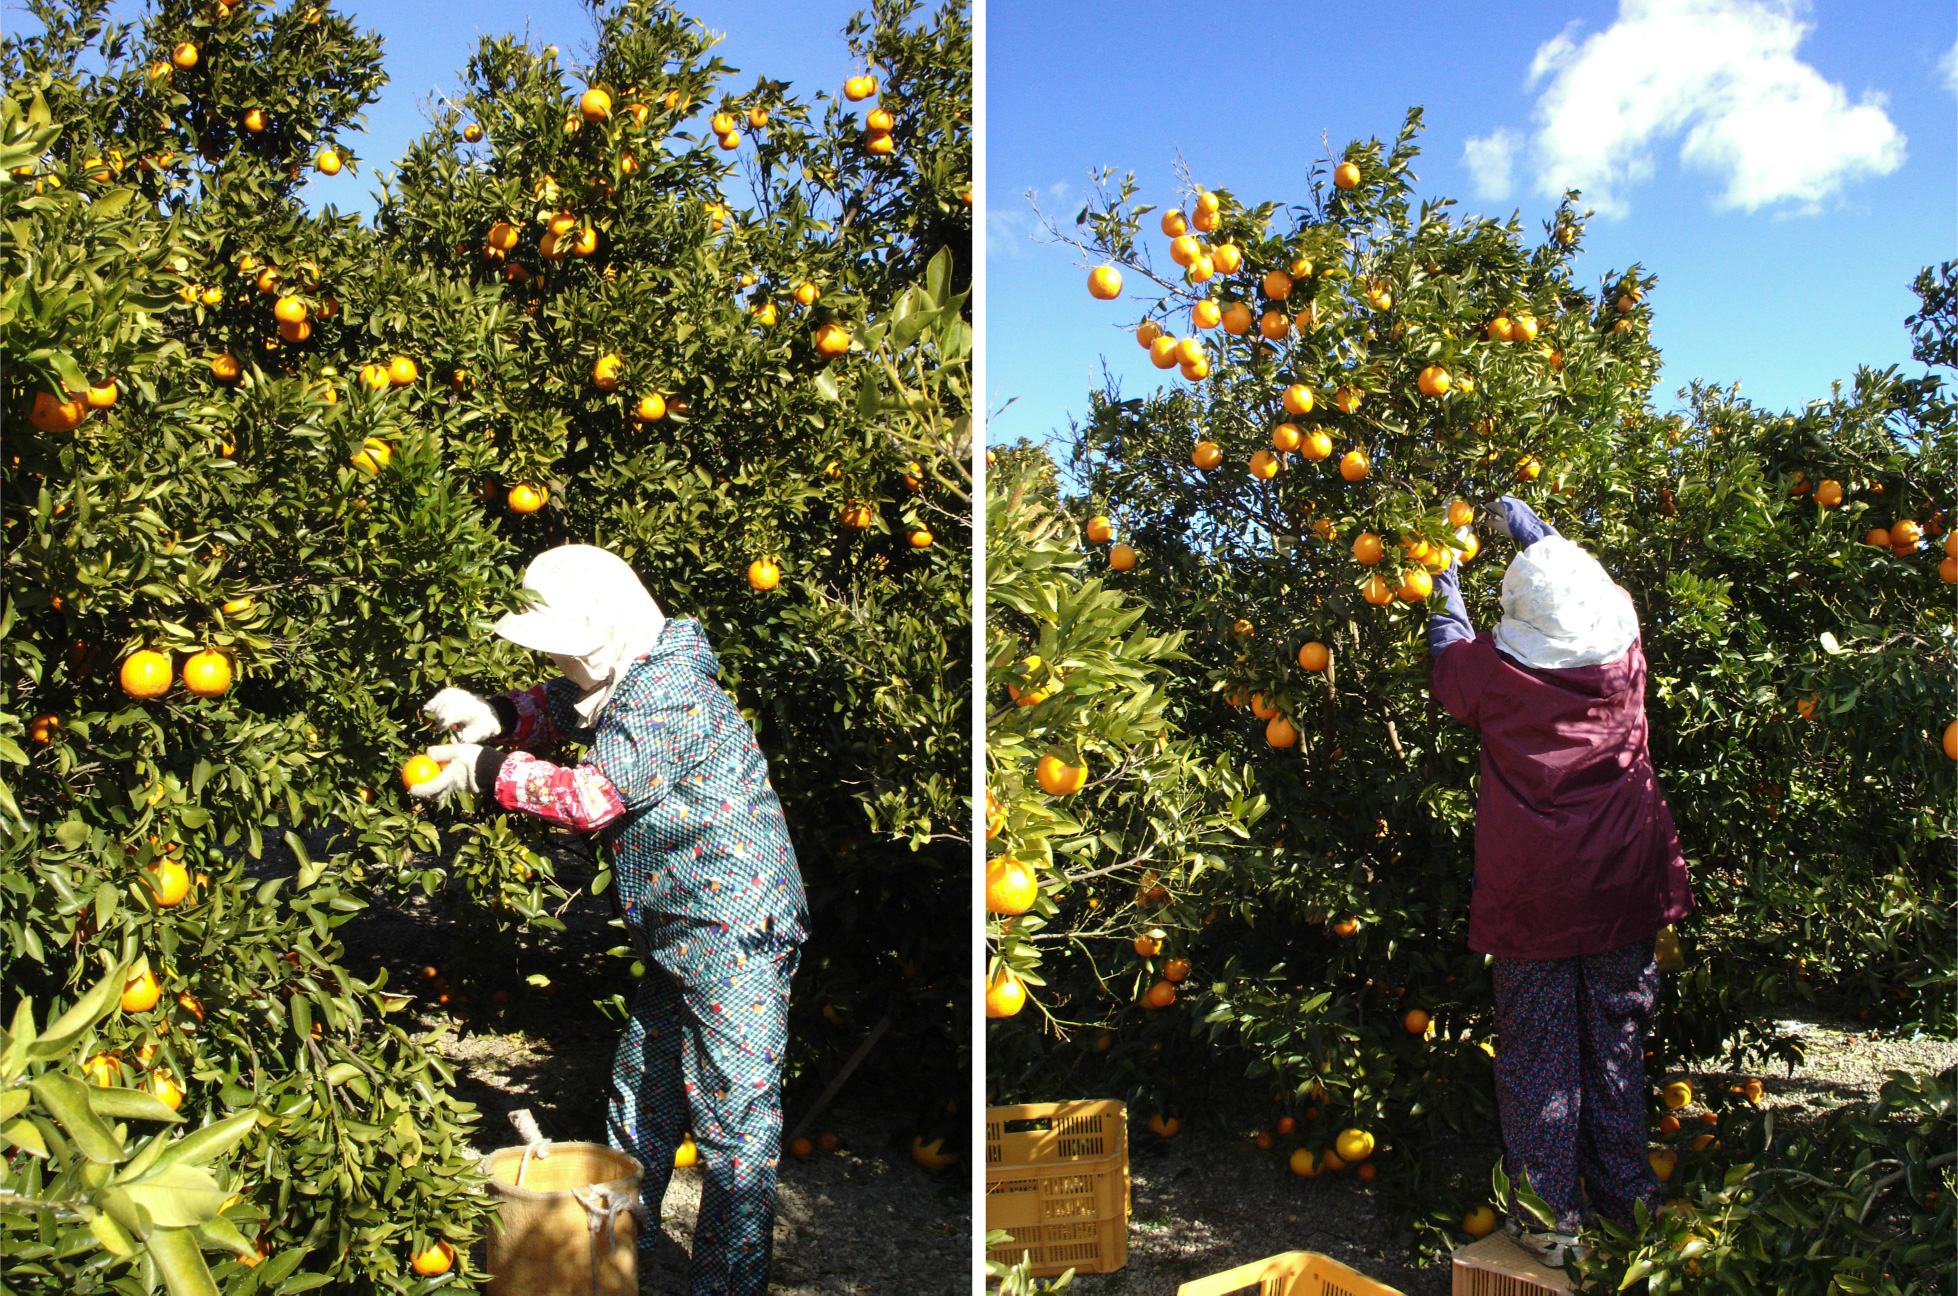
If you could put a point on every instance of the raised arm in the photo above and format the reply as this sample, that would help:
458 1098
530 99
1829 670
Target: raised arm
1450 625
1519 522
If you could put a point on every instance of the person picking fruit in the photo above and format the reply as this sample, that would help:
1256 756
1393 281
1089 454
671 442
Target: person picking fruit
676 788
1577 867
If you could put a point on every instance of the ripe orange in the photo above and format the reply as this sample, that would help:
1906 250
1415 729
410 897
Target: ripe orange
52 415
1281 733
1264 465
1121 557
1479 1222
1227 258
1523 328
806 293
1528 469
502 236
1100 529
1285 437
651 408
434 1261
1207 455
1677 1094
1377 591
419 769
1347 399
1164 1126
146 674
1184 250
1059 778
1878 537
472 133
1367 548
1189 351
328 162
1173 223
1176 969
1274 325
43 727
1314 656
185 55
1317 445
374 454
1951 740
207 674
832 340
1006 994
1197 370
1147 332
1298 399
1346 175
268 280
1353 1145
167 1090
605 371
526 498
1263 707
1415 585
1105 283
225 368
1237 319
1303 1163
1434 381
1145 946
1287 1124
1206 314
1416 1021
594 105
1460 514
920 539
1011 886
139 994
1277 285
1499 329
1262 1141
103 1070
169 882
1948 571
1904 534
763 575
101 395
298 332
1669 1124
1162 352
1160 995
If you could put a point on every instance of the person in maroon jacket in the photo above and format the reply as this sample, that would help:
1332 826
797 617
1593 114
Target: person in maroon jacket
1577 867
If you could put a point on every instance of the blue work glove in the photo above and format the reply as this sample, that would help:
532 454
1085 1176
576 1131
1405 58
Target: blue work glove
1450 625
1519 522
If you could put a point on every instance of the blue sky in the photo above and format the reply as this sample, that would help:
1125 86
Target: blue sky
1784 168
428 44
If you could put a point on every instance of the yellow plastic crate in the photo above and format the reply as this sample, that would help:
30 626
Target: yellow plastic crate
1495 1266
1057 1179
1294 1273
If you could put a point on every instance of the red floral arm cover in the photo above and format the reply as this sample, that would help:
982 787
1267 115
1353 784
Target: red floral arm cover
535 727
578 797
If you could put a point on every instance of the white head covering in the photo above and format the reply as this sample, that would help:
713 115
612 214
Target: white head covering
1561 609
591 615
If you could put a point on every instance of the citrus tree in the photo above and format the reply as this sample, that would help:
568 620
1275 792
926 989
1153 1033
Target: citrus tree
1364 374
247 533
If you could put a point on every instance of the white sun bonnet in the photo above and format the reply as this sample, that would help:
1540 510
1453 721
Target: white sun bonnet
1561 609
589 607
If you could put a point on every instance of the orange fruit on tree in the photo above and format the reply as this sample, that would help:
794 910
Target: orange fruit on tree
1479 1222
52 415
1367 548
1197 370
1277 285
1346 175
1522 328
42 728
225 368
140 993
605 371
434 1260
1460 514
1189 351
1162 352
1176 969
146 674
402 371
832 340
472 133
1184 250
327 162
1353 1145
1121 557
1206 455
1263 707
1227 258
1347 399
1948 571
169 883
1878 537
526 498
101 395
1528 469
1105 283
1237 319
1264 465
1147 332
1281 733
1164 1126
1669 1124
1416 1021
1274 326
1011 886
1317 444
419 769
1160 995
1353 466
1173 223
1287 1124
1006 994
763 575
1145 946
1059 778
1415 585
1677 1094
1100 529
806 293
502 236
1286 437
1206 314
594 105
103 1070
207 674
651 408
919 539
1303 1163
1904 534
1434 381
1262 1141
1314 656
1377 591
167 1090
1298 399
1951 740
297 332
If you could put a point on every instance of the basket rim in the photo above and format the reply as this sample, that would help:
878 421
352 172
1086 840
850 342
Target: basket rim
510 1190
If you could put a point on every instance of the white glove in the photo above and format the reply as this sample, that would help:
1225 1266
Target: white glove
458 762
464 714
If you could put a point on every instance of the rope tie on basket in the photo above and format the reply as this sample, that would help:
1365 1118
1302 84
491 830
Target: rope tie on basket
603 1207
533 1140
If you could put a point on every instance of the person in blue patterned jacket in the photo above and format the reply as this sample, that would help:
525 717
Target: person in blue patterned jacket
677 789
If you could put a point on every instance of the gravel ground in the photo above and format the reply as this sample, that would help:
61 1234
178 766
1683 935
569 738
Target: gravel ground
1209 1201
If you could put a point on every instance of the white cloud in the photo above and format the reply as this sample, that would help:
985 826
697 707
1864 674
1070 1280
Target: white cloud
1948 65
1010 232
1491 159
1722 77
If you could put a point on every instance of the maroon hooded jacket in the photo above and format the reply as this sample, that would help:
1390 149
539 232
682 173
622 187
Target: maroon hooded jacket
1575 850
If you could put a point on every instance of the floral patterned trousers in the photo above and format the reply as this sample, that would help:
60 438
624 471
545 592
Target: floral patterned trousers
704 1052
1570 1078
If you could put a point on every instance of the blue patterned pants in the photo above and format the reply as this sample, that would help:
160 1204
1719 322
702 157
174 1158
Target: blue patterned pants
704 1052
1570 1077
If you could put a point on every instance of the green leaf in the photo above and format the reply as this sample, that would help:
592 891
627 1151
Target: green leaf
211 1142
22 1134
113 1237
91 1008
178 1196
131 1104
181 1262
66 1099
